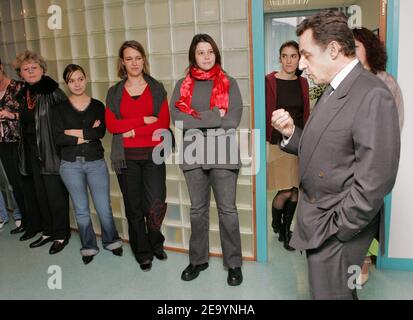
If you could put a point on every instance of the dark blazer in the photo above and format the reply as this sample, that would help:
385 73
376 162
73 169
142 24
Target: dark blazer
47 95
348 155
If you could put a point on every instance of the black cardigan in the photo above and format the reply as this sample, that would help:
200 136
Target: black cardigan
67 117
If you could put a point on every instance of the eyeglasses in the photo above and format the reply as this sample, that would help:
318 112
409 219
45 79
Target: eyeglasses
29 69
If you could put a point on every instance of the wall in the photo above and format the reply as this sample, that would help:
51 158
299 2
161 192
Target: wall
371 12
401 225
93 30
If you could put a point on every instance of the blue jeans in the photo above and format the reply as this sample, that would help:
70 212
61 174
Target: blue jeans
77 176
3 210
4 216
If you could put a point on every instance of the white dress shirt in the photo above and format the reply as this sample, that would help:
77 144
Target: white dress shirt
334 83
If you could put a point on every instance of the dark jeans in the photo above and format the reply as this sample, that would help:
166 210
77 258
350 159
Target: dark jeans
49 201
144 193
10 160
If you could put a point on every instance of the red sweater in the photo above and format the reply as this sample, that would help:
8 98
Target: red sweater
132 113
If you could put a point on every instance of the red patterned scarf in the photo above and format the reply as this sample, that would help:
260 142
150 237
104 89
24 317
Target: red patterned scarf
220 90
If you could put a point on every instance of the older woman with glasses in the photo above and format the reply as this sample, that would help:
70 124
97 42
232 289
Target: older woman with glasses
39 155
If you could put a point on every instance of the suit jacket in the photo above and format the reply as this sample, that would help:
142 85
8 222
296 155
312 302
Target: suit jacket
348 156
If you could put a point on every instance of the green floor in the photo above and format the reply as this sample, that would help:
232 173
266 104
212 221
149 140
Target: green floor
24 275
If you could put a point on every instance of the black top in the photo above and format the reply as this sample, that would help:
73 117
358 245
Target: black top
28 123
290 98
66 116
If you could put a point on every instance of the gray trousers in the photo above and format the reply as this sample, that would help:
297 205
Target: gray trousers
224 186
330 271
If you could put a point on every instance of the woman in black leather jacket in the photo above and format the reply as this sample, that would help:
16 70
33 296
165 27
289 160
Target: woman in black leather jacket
39 157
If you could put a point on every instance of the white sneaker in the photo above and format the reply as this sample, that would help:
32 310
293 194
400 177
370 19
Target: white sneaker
3 223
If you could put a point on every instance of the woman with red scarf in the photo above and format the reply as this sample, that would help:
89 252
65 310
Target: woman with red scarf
207 105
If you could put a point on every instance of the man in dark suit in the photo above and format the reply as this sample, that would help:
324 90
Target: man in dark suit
348 154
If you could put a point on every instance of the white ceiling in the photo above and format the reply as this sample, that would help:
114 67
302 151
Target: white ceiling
299 5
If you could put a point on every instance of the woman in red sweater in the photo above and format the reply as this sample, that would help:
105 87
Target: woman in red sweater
136 107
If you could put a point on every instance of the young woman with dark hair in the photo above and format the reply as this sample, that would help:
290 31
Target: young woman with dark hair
79 126
284 89
208 98
372 55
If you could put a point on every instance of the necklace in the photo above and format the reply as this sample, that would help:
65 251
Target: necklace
30 103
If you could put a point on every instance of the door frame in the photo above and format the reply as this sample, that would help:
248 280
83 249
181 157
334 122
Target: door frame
392 48
257 74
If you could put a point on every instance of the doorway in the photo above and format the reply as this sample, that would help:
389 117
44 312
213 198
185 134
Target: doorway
276 22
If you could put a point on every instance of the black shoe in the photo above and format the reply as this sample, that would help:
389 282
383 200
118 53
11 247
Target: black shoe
234 276
288 248
281 237
27 235
146 266
118 251
192 271
41 241
286 242
289 210
17 230
161 255
87 259
58 246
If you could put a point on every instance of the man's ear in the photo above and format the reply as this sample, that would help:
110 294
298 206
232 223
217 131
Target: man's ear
334 49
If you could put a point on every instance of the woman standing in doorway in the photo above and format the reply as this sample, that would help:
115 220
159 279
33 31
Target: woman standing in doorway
372 55
207 98
136 107
284 89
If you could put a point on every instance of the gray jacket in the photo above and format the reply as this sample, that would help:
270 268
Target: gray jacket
348 154
210 142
